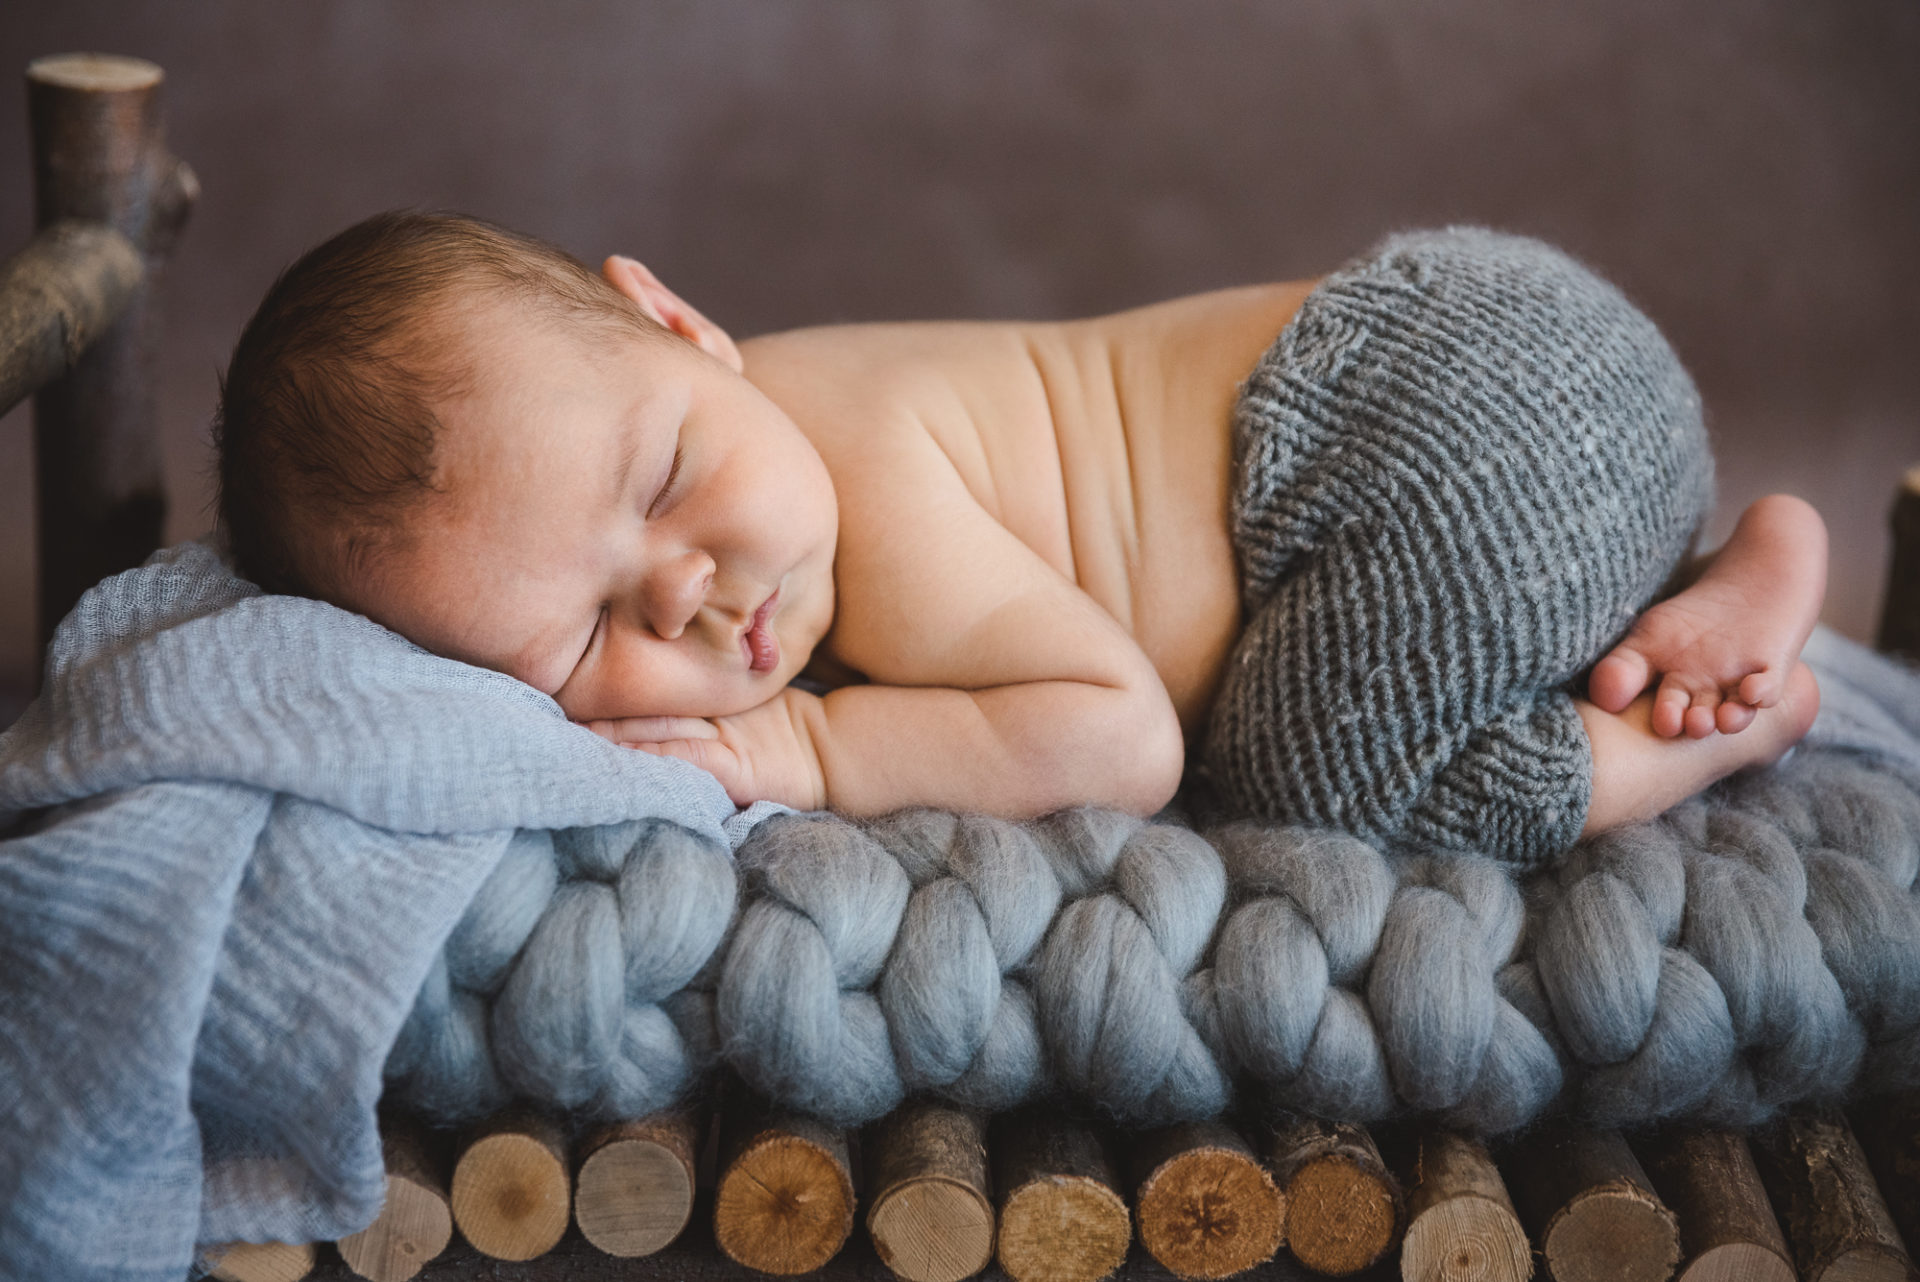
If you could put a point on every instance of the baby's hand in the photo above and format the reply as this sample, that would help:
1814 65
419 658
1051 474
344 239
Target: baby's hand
762 754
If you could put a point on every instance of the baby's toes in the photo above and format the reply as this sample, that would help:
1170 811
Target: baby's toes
1733 716
1700 719
1762 689
1670 706
1619 678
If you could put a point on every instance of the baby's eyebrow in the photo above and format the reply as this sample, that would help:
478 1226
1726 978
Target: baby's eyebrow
623 463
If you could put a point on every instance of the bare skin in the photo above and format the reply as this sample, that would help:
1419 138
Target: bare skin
1725 647
1032 589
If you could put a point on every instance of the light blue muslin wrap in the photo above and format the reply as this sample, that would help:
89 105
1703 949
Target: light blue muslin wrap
270 814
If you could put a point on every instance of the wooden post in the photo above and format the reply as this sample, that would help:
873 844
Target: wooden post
261 1261
1820 1185
99 155
66 287
415 1224
1062 1218
1889 1130
930 1216
1900 612
1206 1206
1591 1207
1728 1232
1461 1225
784 1201
511 1194
1344 1208
634 1190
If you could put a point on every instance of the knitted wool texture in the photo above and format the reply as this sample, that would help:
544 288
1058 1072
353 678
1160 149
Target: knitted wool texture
1752 949
1461 470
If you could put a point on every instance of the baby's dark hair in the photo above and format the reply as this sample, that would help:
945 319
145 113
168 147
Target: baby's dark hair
326 419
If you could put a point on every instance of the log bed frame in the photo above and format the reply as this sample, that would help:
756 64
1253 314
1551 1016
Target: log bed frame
727 1187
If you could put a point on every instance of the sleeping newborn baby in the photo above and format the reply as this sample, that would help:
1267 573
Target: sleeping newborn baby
1399 551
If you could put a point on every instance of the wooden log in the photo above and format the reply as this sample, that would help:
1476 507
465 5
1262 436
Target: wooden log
1591 1208
99 155
1900 612
261 1261
511 1194
930 1213
1728 1232
1344 1207
1062 1217
1817 1177
784 1200
66 287
1888 1129
1461 1224
416 1222
634 1187
1206 1206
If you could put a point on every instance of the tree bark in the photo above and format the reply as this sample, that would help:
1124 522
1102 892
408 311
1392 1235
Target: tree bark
99 155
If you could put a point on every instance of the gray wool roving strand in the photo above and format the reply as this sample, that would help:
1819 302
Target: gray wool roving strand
1754 948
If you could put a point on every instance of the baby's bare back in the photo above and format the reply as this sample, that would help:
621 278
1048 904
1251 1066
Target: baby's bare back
1103 446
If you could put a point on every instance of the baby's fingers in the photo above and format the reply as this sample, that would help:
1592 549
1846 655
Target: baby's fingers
633 731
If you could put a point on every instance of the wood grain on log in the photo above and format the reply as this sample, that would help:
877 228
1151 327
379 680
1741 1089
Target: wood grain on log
57 295
511 1194
1817 1177
1205 1205
1461 1224
1062 1217
99 156
416 1222
784 1200
261 1261
1728 1232
633 1192
1590 1206
930 1212
1344 1208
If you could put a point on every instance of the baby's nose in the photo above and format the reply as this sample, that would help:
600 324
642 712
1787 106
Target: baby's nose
678 588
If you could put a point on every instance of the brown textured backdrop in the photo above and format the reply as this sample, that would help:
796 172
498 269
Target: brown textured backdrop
1749 170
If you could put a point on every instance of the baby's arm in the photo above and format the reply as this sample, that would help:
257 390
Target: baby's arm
997 684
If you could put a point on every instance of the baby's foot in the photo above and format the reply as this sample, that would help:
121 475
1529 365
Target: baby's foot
1724 647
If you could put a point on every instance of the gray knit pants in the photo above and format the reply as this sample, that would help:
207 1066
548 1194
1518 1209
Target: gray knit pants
1460 472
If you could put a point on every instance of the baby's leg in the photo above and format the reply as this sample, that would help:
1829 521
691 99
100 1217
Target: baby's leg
1460 473
1638 773
1725 646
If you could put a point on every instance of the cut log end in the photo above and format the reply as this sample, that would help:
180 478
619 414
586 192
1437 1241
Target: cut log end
511 1195
932 1230
1874 1263
784 1205
1616 1230
1738 1262
1340 1217
1466 1239
633 1196
1210 1213
262 1261
1066 1228
413 1229
95 72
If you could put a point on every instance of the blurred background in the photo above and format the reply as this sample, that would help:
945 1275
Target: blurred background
1747 170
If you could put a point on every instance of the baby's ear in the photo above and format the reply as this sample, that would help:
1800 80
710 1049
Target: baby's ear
662 304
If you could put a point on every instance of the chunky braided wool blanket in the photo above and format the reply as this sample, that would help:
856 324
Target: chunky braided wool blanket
1756 947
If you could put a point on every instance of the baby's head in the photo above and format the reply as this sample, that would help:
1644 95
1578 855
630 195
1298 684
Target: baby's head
470 437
